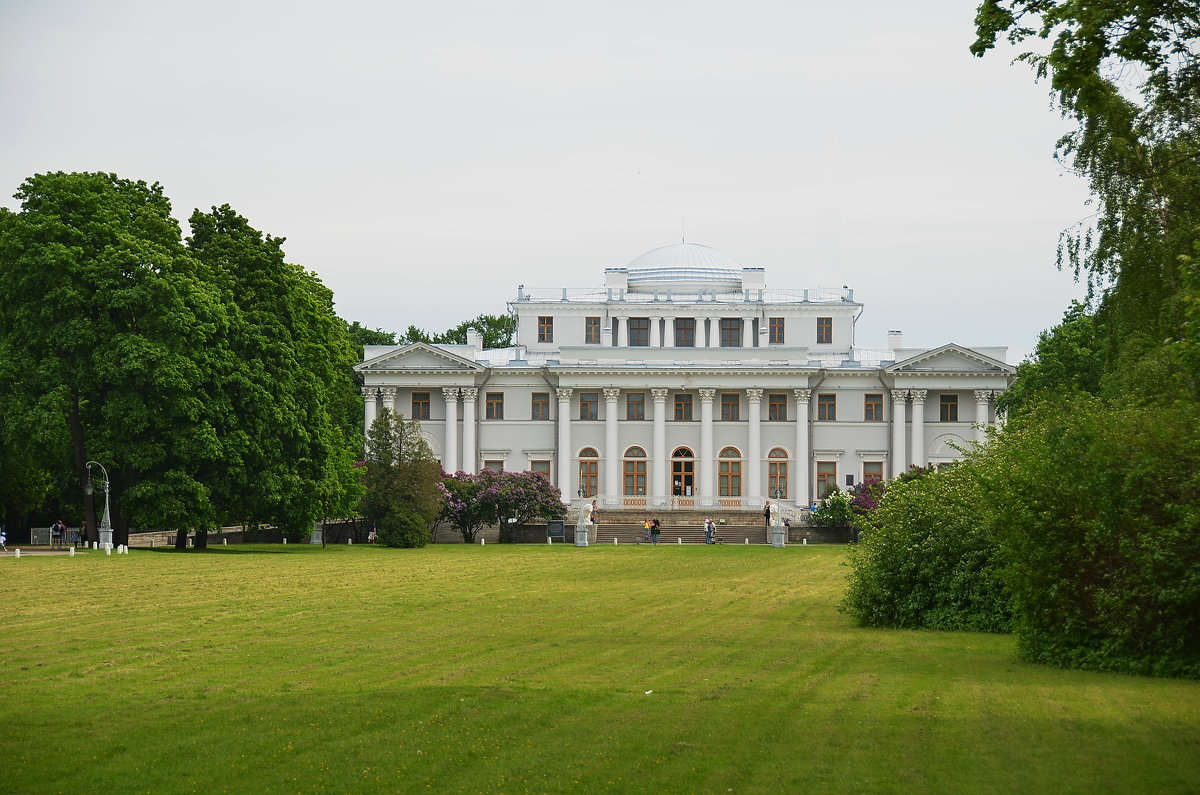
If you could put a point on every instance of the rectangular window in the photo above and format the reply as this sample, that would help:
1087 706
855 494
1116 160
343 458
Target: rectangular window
540 406
873 408
729 478
683 407
494 406
824 329
589 469
589 403
420 405
541 467
872 470
591 331
545 329
777 407
826 408
730 405
826 478
635 477
775 331
635 406
685 332
949 408
777 480
495 466
731 332
639 332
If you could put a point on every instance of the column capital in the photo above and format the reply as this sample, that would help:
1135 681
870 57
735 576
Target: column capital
983 395
802 395
918 395
388 393
754 395
707 395
564 394
450 393
370 392
659 394
899 396
611 394
469 393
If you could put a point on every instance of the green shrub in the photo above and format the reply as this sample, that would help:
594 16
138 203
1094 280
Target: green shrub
1096 509
927 559
404 528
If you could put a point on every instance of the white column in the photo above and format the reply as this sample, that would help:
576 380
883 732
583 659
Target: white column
707 484
754 448
565 453
469 456
388 395
612 456
802 482
982 396
747 332
369 393
620 326
658 452
450 444
712 337
655 333
899 459
919 454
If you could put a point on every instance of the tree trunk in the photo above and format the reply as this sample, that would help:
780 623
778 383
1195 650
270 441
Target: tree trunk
201 538
75 423
181 539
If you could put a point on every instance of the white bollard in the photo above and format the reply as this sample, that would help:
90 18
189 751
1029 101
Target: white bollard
71 554
482 541
747 541
285 539
18 552
679 540
108 550
806 542
224 542
549 540
350 541
614 541
95 545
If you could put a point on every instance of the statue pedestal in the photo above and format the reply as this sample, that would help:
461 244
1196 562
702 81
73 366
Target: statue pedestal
778 536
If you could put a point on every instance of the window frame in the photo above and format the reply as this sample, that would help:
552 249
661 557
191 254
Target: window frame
731 407
873 407
493 406
685 332
545 328
948 407
730 331
777 407
589 404
826 478
543 404
639 326
683 407
827 407
825 331
591 330
868 477
639 402
420 406
775 330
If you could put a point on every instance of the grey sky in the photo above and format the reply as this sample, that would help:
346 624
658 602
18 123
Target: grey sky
425 158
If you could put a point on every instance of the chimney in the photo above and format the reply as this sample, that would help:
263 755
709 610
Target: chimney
895 339
474 339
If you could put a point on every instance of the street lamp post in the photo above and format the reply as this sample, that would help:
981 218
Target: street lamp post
106 522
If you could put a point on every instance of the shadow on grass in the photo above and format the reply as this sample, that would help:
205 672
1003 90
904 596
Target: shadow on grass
239 550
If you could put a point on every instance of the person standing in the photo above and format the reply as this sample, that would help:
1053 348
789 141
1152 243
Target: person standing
56 534
708 531
3 541
646 530
593 513
767 513
655 529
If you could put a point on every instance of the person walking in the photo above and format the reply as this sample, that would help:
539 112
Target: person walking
3 541
655 529
767 513
708 531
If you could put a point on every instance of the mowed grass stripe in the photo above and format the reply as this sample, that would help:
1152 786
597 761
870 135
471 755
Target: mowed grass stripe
525 669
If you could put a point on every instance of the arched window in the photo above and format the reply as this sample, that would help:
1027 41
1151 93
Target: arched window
589 469
729 473
683 472
635 472
777 474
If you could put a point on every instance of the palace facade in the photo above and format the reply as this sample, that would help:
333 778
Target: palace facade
685 381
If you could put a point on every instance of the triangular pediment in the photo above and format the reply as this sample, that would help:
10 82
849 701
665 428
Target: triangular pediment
950 358
418 357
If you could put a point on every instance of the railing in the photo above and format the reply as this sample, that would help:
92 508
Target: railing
818 295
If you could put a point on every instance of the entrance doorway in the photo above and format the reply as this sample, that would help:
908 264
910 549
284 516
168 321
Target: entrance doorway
683 473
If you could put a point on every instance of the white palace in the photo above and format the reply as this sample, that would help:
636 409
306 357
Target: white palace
685 381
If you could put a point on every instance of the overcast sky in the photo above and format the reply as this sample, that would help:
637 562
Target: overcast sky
424 158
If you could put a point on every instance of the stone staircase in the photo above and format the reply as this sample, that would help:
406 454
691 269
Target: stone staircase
626 526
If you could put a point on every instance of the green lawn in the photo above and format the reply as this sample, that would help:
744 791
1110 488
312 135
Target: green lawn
533 668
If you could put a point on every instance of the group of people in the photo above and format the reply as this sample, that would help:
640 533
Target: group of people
58 534
652 529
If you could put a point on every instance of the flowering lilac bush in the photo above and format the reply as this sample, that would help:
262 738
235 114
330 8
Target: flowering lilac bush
506 499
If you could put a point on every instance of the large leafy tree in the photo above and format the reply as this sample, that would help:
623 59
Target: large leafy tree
283 401
101 309
1068 359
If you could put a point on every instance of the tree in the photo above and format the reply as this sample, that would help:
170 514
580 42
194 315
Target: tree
101 309
461 507
361 336
504 499
401 481
497 331
286 407
1069 359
